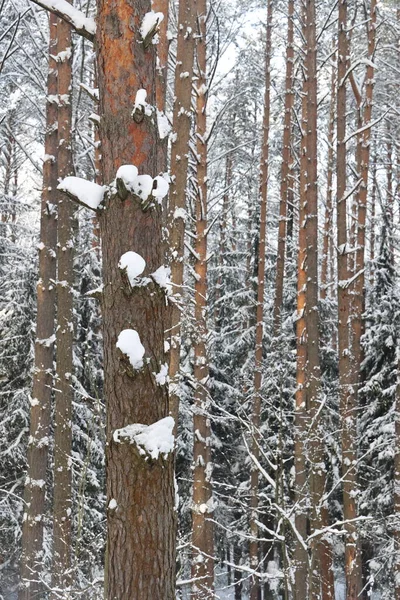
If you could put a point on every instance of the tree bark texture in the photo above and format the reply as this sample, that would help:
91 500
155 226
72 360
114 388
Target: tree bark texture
286 175
182 120
352 561
140 560
300 553
321 576
203 507
327 249
40 412
62 503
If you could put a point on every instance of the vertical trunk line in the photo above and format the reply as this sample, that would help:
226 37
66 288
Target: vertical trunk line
182 120
202 509
37 459
256 409
61 575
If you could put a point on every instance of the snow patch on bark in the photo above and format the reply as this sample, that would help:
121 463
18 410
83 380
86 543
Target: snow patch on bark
152 440
162 278
134 265
129 343
150 23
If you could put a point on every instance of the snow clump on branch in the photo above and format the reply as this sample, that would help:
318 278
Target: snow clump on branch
129 343
154 440
84 192
134 265
150 26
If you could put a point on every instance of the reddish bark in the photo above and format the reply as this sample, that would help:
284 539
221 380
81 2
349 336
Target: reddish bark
143 489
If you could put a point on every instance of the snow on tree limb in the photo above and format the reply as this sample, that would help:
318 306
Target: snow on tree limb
85 26
86 193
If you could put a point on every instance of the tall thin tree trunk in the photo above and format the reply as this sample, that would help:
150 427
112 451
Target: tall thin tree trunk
179 170
255 589
300 554
321 579
140 559
285 171
352 562
62 505
327 251
35 489
202 511
349 449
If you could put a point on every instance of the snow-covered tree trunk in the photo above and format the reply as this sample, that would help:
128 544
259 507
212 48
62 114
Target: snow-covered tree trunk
286 175
327 248
258 363
35 490
300 554
321 576
179 170
203 505
140 561
62 474
352 562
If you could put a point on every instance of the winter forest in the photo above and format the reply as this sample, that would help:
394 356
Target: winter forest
199 300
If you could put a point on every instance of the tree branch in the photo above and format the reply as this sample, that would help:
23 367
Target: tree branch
85 26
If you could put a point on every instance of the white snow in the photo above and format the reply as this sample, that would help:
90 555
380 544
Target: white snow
63 55
162 278
150 22
142 186
129 343
180 213
112 505
134 265
162 376
162 187
155 440
128 174
163 125
140 102
75 16
88 193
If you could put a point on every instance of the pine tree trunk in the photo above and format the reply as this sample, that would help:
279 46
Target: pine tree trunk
37 459
202 511
179 170
321 579
285 171
352 562
349 448
255 590
300 554
62 504
140 560
327 250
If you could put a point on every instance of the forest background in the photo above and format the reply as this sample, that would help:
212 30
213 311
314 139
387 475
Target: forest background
278 247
